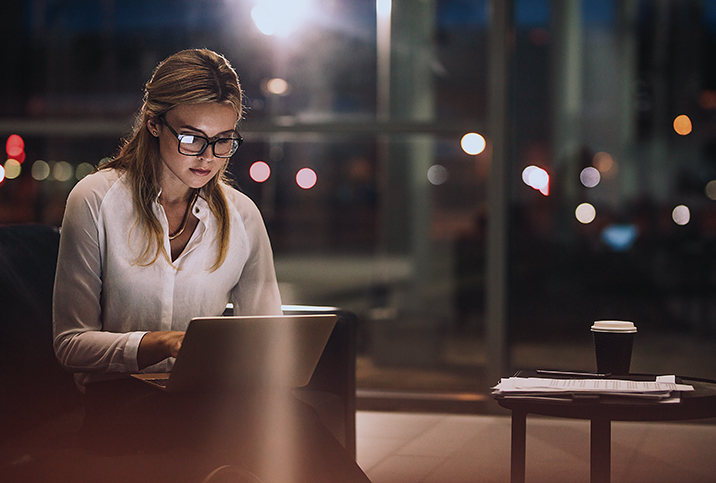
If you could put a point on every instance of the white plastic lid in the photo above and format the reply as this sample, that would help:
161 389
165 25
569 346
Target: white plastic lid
613 326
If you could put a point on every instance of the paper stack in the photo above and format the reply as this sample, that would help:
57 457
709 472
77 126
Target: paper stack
664 388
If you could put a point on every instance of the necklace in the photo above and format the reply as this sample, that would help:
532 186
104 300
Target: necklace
186 216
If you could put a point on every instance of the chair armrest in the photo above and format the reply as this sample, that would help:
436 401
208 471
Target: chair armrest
336 369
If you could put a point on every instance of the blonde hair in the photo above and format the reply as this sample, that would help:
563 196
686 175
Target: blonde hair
187 77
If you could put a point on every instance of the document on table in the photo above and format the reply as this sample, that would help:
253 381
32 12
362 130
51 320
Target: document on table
662 387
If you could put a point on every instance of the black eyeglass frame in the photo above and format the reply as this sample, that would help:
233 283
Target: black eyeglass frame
238 140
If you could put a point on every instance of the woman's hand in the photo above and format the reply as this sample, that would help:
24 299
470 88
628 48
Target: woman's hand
157 346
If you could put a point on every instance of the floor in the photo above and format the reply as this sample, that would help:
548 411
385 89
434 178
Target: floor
397 447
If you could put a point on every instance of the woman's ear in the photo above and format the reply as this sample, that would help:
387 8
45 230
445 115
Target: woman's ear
153 127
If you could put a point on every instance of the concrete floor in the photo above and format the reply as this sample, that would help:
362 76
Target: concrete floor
397 447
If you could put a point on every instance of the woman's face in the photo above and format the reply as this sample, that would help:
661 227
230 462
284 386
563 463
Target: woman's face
180 172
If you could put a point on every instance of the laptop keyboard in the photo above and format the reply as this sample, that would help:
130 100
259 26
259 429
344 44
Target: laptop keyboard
160 381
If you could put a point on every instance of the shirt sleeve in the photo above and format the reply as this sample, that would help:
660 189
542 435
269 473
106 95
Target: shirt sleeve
257 291
79 342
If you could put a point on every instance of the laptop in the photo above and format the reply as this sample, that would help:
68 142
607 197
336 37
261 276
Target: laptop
239 352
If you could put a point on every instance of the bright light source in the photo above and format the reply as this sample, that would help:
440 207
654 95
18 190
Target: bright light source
13 168
585 213
262 19
383 7
280 17
260 171
2 174
682 124
526 174
14 146
40 170
438 174
473 143
306 178
590 177
536 178
277 86
681 215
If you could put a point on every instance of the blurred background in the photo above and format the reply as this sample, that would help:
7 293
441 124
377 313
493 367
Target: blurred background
478 181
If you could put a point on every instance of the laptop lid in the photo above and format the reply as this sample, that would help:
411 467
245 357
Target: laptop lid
224 353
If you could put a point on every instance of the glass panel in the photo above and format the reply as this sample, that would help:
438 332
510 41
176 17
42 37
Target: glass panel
622 231
401 245
395 226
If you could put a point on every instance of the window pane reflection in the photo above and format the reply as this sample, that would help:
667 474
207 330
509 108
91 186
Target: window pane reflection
612 163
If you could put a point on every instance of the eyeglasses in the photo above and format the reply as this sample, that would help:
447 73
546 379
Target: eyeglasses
193 145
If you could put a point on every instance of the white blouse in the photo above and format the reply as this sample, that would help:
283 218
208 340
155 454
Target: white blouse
104 301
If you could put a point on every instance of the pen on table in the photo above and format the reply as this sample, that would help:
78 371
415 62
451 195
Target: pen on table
567 373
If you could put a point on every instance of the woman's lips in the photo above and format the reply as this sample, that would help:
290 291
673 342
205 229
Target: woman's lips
200 172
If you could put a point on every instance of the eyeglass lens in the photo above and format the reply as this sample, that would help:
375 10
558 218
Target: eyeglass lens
193 145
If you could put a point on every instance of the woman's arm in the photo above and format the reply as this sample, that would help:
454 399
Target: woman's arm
157 346
81 342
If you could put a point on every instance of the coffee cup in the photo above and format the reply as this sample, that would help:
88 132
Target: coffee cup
613 342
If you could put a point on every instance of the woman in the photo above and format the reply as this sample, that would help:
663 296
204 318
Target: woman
155 237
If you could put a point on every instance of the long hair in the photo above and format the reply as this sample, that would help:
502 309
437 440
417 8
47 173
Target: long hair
187 77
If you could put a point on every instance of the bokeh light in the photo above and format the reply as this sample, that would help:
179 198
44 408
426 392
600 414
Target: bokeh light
537 178
306 178
438 174
590 177
605 164
83 169
603 161
681 215
15 146
473 143
260 171
20 158
585 213
62 171
13 168
710 189
620 237
277 86
682 124
2 173
40 170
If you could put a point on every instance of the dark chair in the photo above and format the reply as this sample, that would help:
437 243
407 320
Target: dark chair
38 397
34 388
335 375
